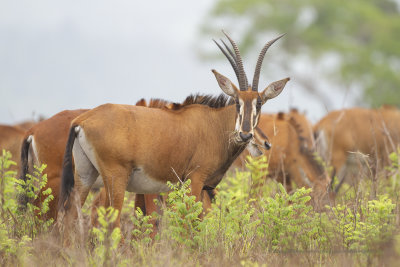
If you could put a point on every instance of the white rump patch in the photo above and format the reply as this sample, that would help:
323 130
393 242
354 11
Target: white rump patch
34 153
84 158
140 182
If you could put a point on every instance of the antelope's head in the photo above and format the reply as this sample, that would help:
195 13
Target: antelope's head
247 98
259 143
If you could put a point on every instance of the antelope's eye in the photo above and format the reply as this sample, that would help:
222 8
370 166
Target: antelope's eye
258 105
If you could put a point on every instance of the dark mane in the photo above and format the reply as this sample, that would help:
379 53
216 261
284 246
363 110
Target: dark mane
280 116
309 153
158 103
299 131
219 101
311 156
207 100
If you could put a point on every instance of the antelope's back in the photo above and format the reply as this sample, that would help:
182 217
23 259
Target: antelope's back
358 129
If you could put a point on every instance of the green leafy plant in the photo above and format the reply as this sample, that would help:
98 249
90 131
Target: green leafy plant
287 222
106 238
181 215
143 228
34 188
12 248
366 227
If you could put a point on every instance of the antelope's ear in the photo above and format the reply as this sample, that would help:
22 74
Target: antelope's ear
273 90
226 85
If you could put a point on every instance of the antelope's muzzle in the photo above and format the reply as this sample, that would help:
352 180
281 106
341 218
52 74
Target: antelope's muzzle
245 136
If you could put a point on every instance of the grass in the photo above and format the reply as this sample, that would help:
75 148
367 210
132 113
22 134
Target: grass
253 222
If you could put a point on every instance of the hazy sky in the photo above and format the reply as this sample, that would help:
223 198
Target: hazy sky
57 55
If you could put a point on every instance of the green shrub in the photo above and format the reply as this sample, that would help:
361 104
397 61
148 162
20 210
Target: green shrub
35 220
106 238
14 245
181 216
289 223
141 233
366 227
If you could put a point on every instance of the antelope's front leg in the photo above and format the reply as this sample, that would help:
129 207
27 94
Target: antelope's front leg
197 184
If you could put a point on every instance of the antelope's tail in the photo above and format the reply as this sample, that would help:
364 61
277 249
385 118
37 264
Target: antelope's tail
23 198
67 177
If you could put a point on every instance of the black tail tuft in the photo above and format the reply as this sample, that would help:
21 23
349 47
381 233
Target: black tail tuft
67 177
23 198
24 158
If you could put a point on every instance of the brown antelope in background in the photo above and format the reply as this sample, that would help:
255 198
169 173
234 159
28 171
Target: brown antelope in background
372 132
26 125
45 143
289 158
10 139
139 149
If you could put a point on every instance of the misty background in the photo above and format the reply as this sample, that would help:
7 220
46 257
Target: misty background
57 55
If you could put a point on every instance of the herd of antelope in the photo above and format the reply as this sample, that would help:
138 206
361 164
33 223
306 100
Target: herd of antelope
139 148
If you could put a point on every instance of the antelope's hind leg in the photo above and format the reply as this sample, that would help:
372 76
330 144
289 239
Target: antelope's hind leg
85 170
115 178
85 176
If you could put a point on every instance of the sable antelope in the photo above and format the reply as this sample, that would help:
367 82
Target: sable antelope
146 201
373 132
10 140
45 143
139 149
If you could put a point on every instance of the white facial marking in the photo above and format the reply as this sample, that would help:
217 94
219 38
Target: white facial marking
241 110
254 120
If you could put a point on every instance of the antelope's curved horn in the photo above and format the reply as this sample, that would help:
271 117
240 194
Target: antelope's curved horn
230 57
234 57
239 63
256 76
229 50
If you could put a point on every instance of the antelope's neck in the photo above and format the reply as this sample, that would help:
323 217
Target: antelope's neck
227 119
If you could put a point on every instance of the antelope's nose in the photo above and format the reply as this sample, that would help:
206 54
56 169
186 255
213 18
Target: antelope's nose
245 136
267 145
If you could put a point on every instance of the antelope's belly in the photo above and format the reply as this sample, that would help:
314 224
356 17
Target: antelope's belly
140 182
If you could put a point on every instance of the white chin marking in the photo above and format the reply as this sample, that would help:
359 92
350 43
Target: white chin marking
254 150
140 182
